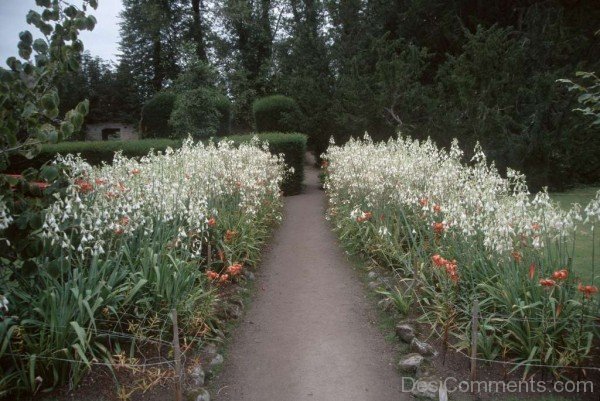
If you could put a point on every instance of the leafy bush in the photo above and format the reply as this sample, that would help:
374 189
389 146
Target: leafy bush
155 115
276 113
293 147
223 105
198 112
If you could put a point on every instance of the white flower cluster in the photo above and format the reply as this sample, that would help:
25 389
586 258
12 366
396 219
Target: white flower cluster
5 217
473 200
186 187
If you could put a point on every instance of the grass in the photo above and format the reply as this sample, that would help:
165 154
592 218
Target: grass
583 244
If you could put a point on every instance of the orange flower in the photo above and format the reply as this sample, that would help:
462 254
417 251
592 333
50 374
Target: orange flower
212 222
364 217
438 260
235 269
547 282
587 290
438 227
560 274
423 202
212 275
437 208
84 186
223 278
135 171
229 235
531 271
517 256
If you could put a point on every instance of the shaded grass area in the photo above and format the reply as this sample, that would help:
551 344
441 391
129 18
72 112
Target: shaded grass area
582 261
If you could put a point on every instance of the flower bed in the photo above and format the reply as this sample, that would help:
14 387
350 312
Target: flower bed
458 233
124 245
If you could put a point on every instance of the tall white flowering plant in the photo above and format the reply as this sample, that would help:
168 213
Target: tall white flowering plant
468 234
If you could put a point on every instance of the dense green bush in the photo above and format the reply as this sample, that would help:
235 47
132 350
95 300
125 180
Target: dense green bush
293 147
200 113
276 113
223 105
155 116
94 152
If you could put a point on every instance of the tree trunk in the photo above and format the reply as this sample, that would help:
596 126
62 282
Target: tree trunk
197 30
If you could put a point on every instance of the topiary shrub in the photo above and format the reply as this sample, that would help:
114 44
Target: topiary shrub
276 113
195 113
155 116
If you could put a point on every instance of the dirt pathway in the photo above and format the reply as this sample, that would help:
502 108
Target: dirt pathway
309 334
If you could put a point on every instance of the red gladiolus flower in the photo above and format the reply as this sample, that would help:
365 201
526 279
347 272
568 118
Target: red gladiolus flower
438 227
587 290
438 260
364 217
560 274
423 202
235 269
547 282
531 271
437 208
212 222
229 235
119 231
84 186
223 278
212 275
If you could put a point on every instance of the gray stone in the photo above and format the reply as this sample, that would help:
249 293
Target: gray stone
216 361
372 275
405 332
410 363
234 311
210 349
197 376
422 348
202 394
249 275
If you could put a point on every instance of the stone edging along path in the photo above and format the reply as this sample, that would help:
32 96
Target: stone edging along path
310 332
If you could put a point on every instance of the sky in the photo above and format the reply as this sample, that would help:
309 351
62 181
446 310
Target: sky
102 41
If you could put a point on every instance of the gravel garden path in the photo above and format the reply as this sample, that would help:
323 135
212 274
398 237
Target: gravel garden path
310 332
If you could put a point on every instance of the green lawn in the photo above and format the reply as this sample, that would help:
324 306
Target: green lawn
583 244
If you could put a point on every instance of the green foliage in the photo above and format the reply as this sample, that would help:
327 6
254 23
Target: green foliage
223 106
155 115
293 148
589 94
195 113
277 113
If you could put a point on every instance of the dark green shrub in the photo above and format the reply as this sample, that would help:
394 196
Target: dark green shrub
276 113
223 105
195 113
155 116
94 152
293 147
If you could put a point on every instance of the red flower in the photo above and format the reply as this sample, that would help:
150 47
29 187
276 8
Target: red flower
124 220
438 260
517 256
212 275
423 202
587 290
119 231
84 186
223 278
560 274
135 171
324 164
437 208
531 271
229 235
100 181
235 269
547 282
438 227
212 222
364 217
536 227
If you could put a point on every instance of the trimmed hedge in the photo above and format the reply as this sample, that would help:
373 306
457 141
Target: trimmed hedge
276 113
95 152
293 146
155 115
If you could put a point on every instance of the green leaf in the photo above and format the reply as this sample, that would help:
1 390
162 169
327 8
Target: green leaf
80 332
83 107
48 101
40 46
29 110
66 129
26 37
94 4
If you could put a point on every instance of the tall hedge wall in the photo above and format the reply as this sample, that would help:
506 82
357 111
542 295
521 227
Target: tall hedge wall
293 146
